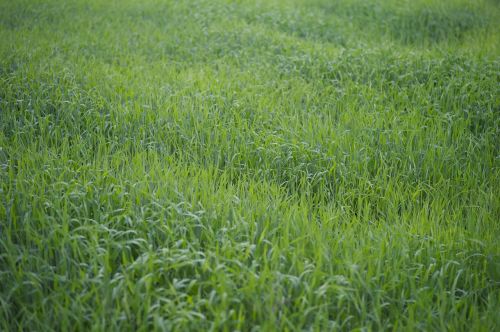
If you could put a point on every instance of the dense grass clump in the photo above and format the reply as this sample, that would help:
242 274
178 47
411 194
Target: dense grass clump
264 165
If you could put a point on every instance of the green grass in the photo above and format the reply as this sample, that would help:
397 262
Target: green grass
250 165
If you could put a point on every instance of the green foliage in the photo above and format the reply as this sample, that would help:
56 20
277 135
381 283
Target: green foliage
273 165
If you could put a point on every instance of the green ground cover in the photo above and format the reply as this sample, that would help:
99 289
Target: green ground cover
245 165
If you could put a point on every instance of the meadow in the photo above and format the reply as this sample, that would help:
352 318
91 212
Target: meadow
278 165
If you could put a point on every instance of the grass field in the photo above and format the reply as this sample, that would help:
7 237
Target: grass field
250 165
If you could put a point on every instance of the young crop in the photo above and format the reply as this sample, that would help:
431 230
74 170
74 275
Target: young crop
253 165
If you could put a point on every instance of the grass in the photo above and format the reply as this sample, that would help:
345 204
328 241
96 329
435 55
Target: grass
249 165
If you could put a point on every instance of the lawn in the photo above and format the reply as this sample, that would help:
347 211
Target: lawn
249 165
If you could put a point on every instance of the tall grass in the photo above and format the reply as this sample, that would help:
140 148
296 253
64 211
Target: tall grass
265 165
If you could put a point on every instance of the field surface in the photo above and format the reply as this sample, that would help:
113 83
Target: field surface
250 165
